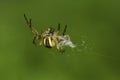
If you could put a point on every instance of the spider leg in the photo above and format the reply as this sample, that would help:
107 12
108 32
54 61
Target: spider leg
64 30
55 33
26 19
34 31
58 27
34 41
34 38
29 23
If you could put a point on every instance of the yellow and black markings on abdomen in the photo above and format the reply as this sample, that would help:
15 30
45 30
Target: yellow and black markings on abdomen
48 42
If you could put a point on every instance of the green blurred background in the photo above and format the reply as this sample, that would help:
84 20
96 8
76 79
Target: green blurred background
93 25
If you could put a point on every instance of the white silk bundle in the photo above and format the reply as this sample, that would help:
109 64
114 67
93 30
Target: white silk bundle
65 41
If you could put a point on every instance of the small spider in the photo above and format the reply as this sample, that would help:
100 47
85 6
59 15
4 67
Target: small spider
48 38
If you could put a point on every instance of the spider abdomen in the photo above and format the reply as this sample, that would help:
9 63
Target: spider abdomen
48 42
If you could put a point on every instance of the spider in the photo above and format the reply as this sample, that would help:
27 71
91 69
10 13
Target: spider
48 38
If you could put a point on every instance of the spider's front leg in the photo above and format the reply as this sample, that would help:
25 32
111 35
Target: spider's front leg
29 23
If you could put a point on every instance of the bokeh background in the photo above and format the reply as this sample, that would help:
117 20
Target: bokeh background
93 25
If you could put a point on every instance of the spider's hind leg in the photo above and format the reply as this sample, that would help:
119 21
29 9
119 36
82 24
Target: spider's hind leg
58 27
34 40
65 30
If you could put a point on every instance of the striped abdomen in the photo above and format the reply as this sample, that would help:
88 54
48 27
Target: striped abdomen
48 42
